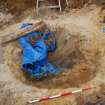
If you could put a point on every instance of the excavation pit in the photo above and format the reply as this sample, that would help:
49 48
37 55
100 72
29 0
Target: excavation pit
78 64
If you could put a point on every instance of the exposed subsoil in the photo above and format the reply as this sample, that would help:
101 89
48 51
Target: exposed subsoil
80 54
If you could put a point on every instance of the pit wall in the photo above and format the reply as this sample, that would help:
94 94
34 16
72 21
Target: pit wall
21 5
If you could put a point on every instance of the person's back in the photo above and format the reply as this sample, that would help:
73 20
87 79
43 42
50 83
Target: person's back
41 48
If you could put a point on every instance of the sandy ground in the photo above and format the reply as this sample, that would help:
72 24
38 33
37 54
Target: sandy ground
81 55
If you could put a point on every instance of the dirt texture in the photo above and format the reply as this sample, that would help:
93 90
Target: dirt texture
16 10
80 55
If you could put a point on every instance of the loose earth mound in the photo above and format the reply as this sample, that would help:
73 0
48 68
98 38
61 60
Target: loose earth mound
80 55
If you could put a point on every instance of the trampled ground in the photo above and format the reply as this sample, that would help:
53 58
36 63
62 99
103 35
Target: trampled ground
80 52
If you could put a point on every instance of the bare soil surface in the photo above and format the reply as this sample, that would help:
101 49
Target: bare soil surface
80 54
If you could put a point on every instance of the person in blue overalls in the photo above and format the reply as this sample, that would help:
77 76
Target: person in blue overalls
35 47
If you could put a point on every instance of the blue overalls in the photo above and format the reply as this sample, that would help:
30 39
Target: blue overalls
35 57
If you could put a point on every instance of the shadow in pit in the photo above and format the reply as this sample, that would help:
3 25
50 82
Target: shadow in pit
67 77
